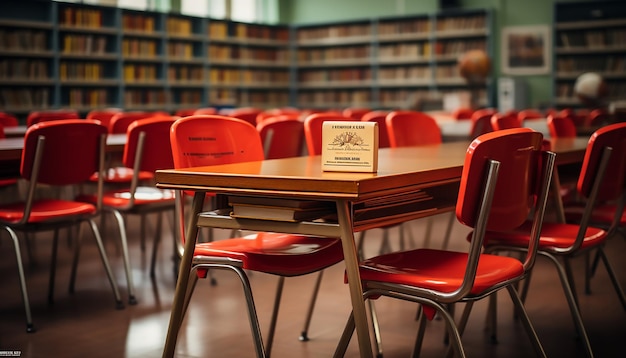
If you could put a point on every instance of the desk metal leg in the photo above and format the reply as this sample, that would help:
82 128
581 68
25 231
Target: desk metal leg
183 277
354 279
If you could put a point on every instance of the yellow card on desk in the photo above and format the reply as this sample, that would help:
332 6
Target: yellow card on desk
350 146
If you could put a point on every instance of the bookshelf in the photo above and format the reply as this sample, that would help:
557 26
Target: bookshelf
83 56
590 37
386 62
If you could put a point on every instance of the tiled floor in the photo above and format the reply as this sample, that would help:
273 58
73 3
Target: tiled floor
86 324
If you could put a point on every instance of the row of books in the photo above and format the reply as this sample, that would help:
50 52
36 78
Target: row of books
189 98
593 38
84 44
405 73
457 47
404 27
231 96
81 17
228 52
333 31
133 98
462 23
178 26
334 96
347 74
24 69
420 49
334 53
223 75
81 70
223 30
140 73
136 47
608 63
615 90
90 97
447 71
138 23
26 98
189 73
23 40
180 50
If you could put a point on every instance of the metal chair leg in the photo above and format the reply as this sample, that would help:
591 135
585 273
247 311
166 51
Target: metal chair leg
304 335
272 330
30 328
125 255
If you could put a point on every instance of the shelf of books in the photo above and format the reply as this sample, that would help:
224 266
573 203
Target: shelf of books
590 37
386 62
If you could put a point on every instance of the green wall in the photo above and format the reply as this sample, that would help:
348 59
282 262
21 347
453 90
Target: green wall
506 13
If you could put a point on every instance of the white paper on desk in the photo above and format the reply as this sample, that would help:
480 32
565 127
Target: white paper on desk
349 146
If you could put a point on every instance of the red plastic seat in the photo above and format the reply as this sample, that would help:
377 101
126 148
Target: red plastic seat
602 178
103 115
313 129
291 112
561 126
411 128
247 114
205 110
8 120
120 121
184 112
505 177
44 116
379 117
598 117
284 255
501 121
282 136
50 158
529 114
147 149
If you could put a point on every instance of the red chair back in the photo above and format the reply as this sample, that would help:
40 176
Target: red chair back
598 117
518 169
379 117
282 136
291 112
8 120
43 116
119 123
462 113
527 114
157 151
206 110
481 122
103 115
212 139
313 129
501 121
246 114
70 154
355 113
614 178
411 128
561 126
184 112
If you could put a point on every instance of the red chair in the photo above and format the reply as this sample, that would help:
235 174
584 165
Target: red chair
291 112
598 117
246 114
501 121
205 110
355 113
313 129
379 117
43 116
481 122
529 114
8 120
147 149
282 136
184 112
51 158
284 255
411 128
103 115
505 177
120 121
602 178
561 126
462 113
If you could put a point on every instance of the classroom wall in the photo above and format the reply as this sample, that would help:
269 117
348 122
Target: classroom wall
506 13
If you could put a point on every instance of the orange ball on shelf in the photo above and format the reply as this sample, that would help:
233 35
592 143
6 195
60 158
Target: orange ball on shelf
474 65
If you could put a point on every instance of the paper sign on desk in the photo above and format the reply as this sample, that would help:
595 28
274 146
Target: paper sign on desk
350 146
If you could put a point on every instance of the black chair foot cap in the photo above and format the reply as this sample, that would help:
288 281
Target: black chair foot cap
132 300
30 328
303 337
119 305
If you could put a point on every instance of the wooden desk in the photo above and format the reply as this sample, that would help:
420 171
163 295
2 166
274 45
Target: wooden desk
15 132
434 169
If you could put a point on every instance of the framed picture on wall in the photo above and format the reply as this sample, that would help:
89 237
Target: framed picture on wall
525 50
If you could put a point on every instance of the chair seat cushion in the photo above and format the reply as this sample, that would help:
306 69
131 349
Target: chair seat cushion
553 236
275 253
121 198
439 270
122 175
45 210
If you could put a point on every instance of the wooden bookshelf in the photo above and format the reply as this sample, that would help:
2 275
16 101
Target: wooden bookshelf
590 37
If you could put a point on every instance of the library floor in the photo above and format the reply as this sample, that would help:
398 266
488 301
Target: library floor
86 324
